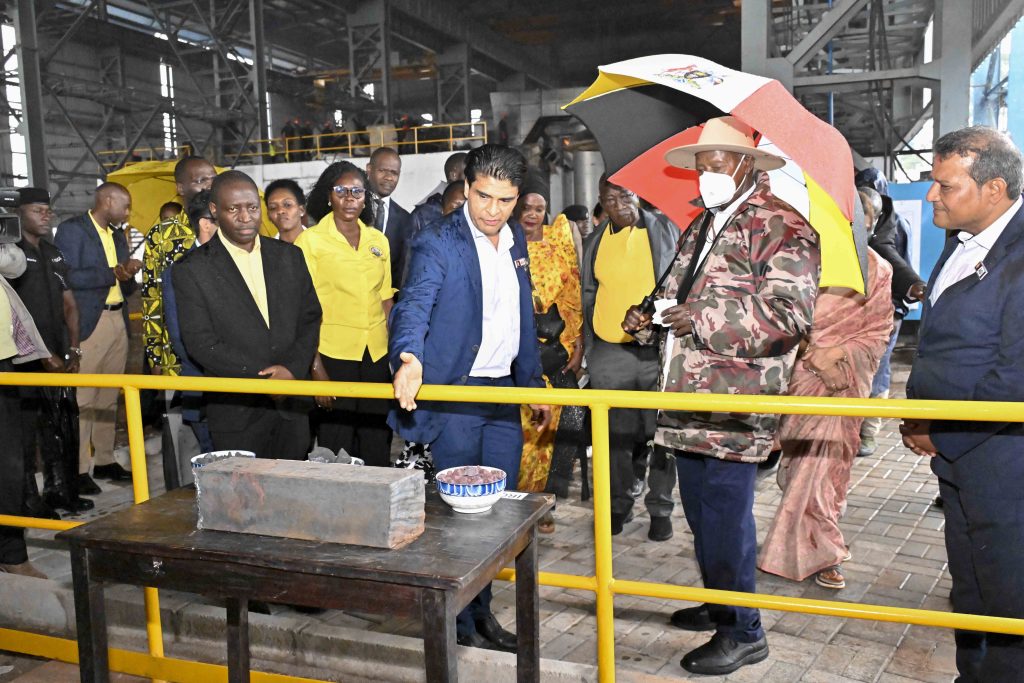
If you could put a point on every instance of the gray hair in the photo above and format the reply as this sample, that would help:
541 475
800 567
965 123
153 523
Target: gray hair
995 156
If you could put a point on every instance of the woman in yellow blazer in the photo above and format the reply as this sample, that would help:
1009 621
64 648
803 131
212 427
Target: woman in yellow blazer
351 268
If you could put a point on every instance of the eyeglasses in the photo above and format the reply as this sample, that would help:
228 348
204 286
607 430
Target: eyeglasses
355 192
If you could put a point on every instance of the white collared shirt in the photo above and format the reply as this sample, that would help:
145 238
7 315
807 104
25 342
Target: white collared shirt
499 341
967 258
721 217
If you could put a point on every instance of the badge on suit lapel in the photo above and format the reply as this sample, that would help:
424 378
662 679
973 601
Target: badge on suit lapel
981 270
522 262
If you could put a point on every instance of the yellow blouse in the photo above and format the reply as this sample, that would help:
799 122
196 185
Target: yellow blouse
351 285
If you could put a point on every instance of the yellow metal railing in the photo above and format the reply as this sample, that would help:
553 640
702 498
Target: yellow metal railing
436 137
603 583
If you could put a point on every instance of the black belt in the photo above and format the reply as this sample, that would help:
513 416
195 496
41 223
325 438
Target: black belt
113 307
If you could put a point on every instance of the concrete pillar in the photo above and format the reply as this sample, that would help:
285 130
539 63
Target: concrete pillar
952 106
755 22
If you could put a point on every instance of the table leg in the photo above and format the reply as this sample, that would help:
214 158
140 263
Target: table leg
439 654
238 640
90 619
527 614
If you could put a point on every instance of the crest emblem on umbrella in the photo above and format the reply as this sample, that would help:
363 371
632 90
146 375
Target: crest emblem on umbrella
641 108
692 76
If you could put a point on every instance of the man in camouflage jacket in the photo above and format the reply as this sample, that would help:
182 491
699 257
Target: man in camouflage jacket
737 332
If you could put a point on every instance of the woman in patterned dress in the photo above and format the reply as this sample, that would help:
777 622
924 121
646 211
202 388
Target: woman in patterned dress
556 281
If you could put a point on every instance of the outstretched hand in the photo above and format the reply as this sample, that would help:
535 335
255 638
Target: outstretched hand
408 380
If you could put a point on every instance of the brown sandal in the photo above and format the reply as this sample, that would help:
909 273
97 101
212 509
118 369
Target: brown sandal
830 578
546 524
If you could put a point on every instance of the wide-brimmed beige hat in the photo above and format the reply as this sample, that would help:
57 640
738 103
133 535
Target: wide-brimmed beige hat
724 134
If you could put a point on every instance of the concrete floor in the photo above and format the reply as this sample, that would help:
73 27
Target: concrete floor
895 536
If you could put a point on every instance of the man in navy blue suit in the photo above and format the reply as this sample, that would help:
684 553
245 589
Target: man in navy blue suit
102 276
972 349
466 318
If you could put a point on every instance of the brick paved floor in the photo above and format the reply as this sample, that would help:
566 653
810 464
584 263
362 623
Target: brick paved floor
898 559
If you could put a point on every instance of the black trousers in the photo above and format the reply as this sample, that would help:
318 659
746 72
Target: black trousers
40 431
359 425
280 432
12 464
985 545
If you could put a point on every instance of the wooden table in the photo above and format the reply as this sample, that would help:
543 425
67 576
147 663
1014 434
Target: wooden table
433 578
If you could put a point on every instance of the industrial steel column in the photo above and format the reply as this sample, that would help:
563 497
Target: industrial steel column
453 84
953 37
31 93
369 54
259 72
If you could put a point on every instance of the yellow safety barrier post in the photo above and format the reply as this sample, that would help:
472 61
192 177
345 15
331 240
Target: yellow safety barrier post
140 486
603 544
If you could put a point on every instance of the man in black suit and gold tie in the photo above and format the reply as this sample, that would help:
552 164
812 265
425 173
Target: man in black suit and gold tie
383 172
247 308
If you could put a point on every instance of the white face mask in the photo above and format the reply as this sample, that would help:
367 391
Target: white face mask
716 188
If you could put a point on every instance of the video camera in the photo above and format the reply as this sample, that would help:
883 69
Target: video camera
10 224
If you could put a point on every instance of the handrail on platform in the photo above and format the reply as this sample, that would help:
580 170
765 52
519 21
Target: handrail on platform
603 582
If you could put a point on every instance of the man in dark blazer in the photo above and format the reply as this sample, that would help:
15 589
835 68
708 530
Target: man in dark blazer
247 308
466 318
972 349
101 276
383 171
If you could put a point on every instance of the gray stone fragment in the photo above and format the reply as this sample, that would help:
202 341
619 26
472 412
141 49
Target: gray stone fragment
373 506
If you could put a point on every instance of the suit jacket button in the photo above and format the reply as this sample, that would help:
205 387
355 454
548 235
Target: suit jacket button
464 379
476 347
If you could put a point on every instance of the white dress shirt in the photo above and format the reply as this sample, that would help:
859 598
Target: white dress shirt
968 257
721 217
499 343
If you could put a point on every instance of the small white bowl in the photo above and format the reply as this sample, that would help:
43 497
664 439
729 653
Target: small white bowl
213 456
472 498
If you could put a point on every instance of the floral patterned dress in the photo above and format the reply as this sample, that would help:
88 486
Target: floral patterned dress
556 280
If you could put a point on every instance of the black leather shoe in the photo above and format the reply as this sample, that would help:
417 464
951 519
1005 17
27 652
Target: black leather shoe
618 521
73 505
113 472
490 629
476 640
37 507
87 487
693 619
722 655
661 529
78 505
